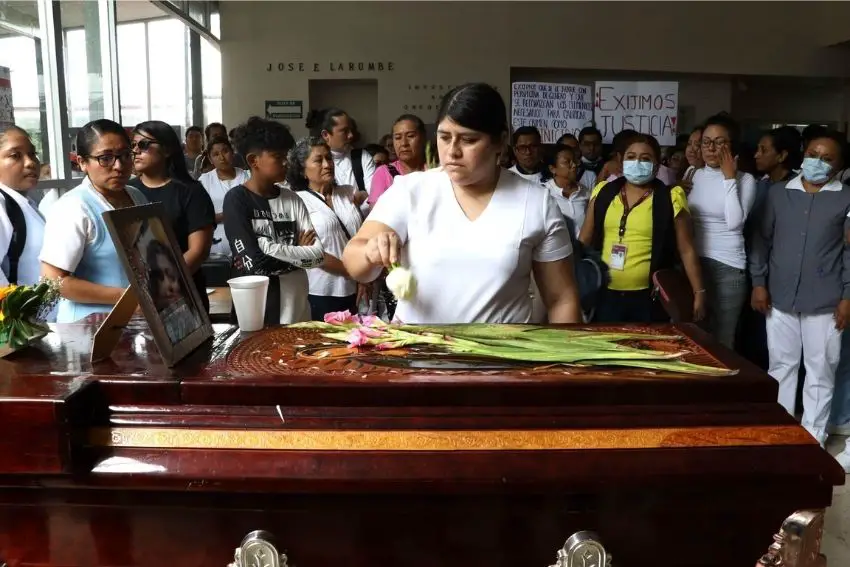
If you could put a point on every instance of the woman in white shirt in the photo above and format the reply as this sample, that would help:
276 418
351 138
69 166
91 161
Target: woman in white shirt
21 225
470 233
571 197
720 201
217 183
335 219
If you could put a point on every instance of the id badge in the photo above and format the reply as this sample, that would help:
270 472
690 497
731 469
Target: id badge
618 257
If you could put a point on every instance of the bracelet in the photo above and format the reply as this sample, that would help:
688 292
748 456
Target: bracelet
699 291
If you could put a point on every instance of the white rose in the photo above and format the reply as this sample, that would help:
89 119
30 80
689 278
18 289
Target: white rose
401 283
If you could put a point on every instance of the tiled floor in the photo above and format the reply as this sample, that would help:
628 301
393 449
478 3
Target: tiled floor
836 539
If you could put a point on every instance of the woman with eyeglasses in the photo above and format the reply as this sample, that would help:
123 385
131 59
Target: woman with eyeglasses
720 201
77 247
162 178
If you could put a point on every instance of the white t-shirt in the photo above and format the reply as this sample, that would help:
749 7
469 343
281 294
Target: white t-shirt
574 206
326 222
29 267
344 173
719 208
471 271
534 177
217 189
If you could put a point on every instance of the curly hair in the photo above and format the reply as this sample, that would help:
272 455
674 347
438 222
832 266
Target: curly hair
259 135
297 160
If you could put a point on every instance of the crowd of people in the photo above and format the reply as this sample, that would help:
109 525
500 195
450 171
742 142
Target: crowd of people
493 225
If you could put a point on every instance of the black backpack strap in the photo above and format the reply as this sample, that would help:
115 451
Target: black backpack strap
665 252
357 168
393 170
601 203
19 236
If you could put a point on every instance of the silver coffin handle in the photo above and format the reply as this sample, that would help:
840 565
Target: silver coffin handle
583 549
258 550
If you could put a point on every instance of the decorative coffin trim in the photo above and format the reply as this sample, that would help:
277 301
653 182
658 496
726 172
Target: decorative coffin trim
473 440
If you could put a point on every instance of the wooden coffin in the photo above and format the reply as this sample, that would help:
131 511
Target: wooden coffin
349 460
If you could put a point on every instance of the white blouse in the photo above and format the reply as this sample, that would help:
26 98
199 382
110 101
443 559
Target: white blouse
217 189
29 266
719 208
328 224
573 207
471 271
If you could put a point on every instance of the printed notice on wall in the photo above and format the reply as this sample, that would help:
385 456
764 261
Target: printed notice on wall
7 112
553 108
650 107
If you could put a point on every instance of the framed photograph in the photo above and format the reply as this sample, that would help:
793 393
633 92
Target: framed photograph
160 279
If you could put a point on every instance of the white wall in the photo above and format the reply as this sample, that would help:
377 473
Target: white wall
448 43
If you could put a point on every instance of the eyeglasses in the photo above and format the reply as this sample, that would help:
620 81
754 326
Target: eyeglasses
526 148
715 143
142 145
108 160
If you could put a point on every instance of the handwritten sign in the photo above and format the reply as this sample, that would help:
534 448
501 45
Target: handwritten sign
650 107
7 109
554 109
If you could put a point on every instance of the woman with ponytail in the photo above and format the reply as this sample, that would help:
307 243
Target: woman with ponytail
163 178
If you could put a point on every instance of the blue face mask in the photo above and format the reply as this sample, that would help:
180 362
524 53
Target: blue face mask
638 172
815 170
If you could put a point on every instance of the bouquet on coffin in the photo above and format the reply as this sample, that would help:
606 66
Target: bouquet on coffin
23 311
523 343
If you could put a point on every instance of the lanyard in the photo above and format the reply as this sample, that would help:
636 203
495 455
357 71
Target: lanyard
341 224
627 209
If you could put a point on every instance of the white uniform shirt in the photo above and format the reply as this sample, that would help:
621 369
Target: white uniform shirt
534 177
574 206
71 230
217 189
588 180
29 266
326 222
344 173
719 208
471 271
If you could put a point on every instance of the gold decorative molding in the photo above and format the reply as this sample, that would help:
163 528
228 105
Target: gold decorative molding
474 440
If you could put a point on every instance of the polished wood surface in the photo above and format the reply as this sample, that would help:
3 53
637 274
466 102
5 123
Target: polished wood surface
125 462
220 301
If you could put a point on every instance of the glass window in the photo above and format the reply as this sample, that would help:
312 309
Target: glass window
83 62
21 75
211 75
170 81
132 73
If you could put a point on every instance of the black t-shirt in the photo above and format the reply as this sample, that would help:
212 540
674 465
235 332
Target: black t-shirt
189 208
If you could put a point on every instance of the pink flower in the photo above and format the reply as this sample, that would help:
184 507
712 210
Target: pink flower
361 336
340 318
371 321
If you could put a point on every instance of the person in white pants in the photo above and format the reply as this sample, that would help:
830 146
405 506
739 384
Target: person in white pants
800 267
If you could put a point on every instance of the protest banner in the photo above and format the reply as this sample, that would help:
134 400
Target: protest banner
650 107
553 108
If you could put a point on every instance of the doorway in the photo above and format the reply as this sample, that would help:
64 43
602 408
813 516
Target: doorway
358 97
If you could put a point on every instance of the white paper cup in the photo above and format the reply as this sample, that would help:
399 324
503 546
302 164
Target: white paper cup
249 300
